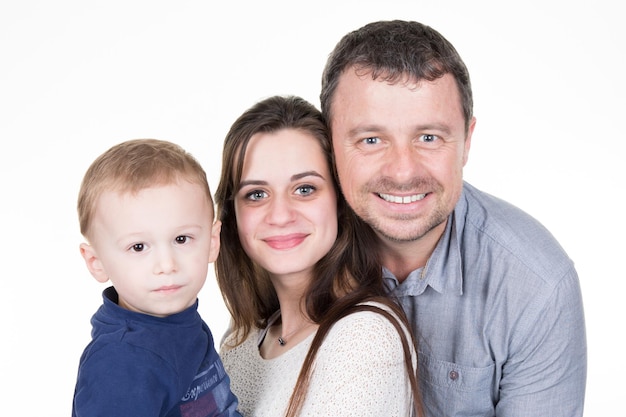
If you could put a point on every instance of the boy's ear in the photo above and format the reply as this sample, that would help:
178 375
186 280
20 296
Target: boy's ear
93 262
214 250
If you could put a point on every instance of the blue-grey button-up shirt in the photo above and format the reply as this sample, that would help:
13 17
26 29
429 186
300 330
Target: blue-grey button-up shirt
498 315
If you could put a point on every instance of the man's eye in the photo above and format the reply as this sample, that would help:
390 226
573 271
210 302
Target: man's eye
256 195
138 247
428 138
371 141
181 239
305 190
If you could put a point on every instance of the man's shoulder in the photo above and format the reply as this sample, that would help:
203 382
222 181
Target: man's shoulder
485 209
494 226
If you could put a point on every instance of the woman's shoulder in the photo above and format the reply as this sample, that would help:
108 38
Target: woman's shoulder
371 312
368 327
367 342
231 344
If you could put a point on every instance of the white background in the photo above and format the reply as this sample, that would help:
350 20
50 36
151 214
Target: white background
77 77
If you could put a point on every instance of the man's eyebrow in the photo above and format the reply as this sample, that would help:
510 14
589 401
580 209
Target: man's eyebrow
439 127
359 130
375 129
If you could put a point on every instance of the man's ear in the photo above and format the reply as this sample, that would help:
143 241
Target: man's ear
93 262
214 250
468 140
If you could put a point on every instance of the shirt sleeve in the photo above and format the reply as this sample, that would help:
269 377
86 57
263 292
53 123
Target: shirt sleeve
545 375
360 371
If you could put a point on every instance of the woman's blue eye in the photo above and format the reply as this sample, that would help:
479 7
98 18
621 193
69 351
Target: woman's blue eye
256 195
305 190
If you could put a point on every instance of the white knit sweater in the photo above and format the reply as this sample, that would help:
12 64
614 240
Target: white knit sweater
359 371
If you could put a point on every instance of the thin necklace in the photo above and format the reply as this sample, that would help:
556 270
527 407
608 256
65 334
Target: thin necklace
282 340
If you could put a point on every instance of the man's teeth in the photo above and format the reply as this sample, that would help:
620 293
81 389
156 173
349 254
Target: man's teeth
402 200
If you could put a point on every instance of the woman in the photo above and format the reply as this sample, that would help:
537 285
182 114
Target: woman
313 332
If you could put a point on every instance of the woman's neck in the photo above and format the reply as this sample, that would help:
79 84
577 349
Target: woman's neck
294 325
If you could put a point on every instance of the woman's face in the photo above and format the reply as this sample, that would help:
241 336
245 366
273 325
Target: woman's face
286 206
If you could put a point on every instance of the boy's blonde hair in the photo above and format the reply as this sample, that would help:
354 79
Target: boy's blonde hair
132 166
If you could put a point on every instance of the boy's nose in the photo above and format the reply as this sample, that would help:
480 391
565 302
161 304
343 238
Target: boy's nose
165 262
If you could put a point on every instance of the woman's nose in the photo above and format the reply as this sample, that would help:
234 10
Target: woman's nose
280 211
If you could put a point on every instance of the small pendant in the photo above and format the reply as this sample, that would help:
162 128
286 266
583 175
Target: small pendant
281 341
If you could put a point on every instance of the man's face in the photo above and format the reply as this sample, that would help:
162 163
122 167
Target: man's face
400 150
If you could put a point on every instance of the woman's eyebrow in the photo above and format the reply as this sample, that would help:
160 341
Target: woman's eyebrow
306 174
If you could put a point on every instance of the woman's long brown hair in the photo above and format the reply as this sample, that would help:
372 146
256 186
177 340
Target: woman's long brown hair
349 275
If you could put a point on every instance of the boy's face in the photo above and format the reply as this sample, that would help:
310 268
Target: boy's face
154 246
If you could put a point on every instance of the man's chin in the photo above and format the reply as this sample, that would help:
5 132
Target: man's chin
405 230
398 237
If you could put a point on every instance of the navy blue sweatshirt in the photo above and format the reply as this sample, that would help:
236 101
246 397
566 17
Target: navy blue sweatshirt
139 365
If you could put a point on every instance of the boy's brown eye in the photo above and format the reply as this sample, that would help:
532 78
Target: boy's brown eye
181 239
138 247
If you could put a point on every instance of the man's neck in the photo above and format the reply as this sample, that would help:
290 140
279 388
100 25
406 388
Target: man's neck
402 258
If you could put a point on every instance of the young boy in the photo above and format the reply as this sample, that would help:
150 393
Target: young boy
146 211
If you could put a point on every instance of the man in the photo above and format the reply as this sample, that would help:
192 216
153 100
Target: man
494 300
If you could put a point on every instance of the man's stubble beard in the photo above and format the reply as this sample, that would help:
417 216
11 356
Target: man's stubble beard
417 226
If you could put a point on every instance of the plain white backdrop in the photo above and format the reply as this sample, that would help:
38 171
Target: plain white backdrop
78 76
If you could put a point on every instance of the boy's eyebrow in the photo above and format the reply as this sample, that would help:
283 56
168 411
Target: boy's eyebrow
294 177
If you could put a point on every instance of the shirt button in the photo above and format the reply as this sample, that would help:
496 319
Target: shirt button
454 375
